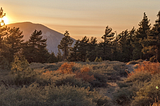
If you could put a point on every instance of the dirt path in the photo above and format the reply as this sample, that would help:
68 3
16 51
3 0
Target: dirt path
113 87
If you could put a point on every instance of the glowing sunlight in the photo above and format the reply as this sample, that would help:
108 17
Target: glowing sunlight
6 20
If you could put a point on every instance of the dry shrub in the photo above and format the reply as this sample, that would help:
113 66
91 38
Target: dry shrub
147 67
84 74
66 68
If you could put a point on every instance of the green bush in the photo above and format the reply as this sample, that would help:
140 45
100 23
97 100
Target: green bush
139 77
4 63
148 93
34 95
129 88
87 60
21 72
30 96
74 96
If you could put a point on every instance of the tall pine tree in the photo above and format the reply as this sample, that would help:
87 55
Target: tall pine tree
35 49
65 44
15 41
106 44
141 34
152 43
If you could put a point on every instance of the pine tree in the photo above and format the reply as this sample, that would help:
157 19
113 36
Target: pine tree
152 43
82 49
74 52
106 44
59 56
140 35
4 63
125 46
144 26
52 58
2 30
1 16
91 50
14 40
65 44
35 49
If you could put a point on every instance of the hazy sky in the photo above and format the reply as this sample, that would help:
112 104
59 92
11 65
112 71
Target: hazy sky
82 17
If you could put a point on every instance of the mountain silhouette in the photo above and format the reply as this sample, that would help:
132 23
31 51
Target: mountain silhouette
53 37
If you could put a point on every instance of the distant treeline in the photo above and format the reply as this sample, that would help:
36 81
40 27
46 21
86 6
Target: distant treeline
141 43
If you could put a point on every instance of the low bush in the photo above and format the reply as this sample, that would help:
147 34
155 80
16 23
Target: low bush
146 66
130 86
148 93
66 68
34 95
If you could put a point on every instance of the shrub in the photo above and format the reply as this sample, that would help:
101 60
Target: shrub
122 96
21 72
139 77
74 96
146 66
34 95
25 96
70 80
66 68
148 93
130 86
100 59
87 60
4 64
84 74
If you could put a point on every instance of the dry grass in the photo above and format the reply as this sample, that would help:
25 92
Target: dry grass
146 67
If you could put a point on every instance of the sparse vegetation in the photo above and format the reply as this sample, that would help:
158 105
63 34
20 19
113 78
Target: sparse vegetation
80 81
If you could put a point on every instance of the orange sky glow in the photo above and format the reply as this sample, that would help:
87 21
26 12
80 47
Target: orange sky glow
82 17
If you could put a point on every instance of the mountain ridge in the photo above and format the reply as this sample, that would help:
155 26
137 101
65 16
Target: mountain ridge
53 37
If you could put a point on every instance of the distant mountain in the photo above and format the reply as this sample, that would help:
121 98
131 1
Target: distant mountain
53 37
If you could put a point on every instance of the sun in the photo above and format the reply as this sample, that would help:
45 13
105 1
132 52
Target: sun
5 19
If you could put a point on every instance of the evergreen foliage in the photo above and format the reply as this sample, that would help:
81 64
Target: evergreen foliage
35 49
52 58
21 71
106 45
141 34
65 44
4 63
15 42
59 55
152 43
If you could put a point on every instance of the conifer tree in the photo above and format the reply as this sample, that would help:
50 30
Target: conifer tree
144 26
141 34
35 49
59 56
65 44
14 40
125 46
91 50
106 44
152 43
1 16
52 58
3 31
74 52
83 48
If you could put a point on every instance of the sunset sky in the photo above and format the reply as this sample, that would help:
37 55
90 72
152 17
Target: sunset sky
82 17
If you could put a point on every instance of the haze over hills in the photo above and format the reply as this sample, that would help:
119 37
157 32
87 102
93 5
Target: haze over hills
53 37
